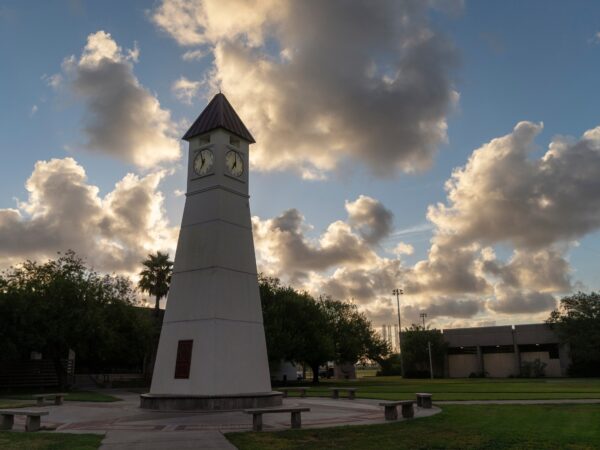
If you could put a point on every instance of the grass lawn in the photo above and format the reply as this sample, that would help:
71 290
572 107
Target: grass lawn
48 441
12 404
75 396
457 427
394 388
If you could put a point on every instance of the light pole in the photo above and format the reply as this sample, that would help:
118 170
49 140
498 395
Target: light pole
423 315
397 293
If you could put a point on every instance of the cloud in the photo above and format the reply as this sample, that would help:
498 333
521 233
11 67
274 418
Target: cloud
34 110
537 206
402 248
444 307
282 244
194 55
372 220
371 82
532 208
54 81
502 195
185 90
122 118
63 211
544 270
510 301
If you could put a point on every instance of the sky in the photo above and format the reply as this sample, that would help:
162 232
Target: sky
448 148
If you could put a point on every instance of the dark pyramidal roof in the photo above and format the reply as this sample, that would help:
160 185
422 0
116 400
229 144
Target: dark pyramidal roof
219 114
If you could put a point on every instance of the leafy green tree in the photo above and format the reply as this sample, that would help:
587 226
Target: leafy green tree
61 305
415 352
298 328
354 337
155 278
577 322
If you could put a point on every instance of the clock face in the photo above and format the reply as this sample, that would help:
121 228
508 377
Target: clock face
234 163
203 162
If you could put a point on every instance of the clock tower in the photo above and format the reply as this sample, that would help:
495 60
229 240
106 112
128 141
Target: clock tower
212 353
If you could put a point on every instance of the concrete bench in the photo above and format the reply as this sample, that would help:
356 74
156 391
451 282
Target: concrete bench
257 413
423 400
58 398
302 390
33 418
391 409
335 392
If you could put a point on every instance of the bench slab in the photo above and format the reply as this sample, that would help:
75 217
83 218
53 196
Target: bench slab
423 399
61 394
22 412
58 398
275 410
302 391
335 392
257 413
32 422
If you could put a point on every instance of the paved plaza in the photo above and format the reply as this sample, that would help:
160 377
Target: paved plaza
129 427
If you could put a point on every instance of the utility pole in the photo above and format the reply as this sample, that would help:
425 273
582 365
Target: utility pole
430 361
423 315
397 292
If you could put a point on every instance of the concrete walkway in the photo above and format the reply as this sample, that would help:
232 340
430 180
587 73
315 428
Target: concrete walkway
126 426
135 440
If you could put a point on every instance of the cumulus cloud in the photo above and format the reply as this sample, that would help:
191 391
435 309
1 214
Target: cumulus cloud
323 82
532 207
194 55
510 301
402 248
283 245
372 220
63 211
122 118
185 90
502 195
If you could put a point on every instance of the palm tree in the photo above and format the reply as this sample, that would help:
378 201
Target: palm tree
156 277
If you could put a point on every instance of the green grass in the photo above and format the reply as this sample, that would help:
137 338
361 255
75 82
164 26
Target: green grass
12 404
48 441
394 388
74 396
457 427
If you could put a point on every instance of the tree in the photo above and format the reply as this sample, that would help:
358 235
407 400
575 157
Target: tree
415 351
62 305
354 337
155 278
577 322
298 328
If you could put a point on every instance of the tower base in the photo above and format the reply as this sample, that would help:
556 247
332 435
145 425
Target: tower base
167 402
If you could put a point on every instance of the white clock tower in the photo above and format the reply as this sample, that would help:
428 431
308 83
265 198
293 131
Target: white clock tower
212 351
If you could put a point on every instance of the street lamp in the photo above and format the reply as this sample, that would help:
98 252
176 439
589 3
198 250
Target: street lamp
423 315
397 293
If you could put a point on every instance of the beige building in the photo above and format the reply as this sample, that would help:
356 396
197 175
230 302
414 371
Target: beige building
502 351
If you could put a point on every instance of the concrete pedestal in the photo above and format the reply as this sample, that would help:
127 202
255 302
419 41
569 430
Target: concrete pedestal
165 402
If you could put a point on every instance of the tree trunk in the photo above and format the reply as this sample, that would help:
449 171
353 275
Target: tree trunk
157 306
315 370
60 373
